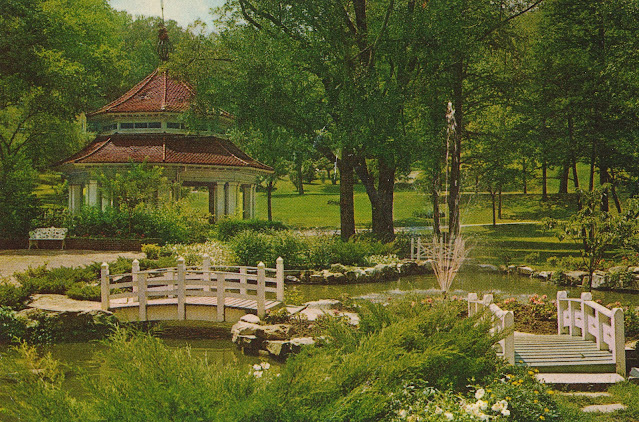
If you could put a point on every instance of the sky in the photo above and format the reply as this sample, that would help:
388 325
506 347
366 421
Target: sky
182 11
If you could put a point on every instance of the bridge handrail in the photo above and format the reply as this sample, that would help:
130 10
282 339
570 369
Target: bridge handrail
502 322
582 317
209 283
418 250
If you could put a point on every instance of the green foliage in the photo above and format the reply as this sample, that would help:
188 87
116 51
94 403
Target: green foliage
302 252
18 205
54 281
228 228
81 291
597 231
152 251
13 296
11 327
177 223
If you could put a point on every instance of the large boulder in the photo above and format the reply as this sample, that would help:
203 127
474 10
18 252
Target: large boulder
299 342
323 304
273 332
600 280
243 328
278 348
524 270
487 268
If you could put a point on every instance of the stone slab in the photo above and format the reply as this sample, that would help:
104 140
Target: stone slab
62 303
604 408
579 379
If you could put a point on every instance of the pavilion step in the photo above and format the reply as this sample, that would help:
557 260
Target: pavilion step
580 381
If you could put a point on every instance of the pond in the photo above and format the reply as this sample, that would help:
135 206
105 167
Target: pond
216 346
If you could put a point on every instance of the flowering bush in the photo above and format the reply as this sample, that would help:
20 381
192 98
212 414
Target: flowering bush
539 314
516 395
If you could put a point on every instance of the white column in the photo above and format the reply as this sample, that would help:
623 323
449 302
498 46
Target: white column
92 193
220 197
232 196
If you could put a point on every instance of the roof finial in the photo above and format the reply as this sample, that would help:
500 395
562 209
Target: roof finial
164 44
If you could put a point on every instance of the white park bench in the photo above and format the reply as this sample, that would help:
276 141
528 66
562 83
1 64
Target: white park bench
47 233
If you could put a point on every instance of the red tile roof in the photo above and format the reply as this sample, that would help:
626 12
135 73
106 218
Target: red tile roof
157 92
164 149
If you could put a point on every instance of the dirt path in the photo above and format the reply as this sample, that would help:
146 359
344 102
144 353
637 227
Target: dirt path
12 261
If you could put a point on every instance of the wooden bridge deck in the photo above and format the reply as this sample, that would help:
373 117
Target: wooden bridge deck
561 353
229 302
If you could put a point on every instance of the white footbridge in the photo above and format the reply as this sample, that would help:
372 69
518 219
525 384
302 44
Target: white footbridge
206 293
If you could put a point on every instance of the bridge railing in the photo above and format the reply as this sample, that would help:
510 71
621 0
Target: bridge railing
181 282
418 249
582 317
503 322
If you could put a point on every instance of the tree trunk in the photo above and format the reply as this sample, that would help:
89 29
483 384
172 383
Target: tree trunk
604 178
386 187
346 203
593 159
544 181
499 206
269 195
563 178
493 197
300 180
381 199
434 194
455 153
524 174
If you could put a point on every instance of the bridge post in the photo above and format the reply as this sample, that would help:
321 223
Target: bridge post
181 276
221 279
419 248
472 306
412 248
585 297
279 276
104 286
141 281
619 350
243 280
135 269
206 274
509 340
261 292
562 306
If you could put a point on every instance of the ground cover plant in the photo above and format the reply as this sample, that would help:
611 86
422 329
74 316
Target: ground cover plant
408 357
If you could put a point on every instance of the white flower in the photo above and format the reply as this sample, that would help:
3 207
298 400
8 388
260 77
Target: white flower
497 407
258 374
257 367
505 412
449 416
504 404
438 410
265 365
482 404
480 393
403 413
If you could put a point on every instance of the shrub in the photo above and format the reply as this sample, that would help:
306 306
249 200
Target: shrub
13 296
81 291
228 228
54 281
11 327
152 251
